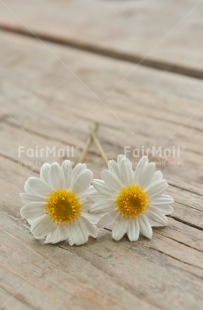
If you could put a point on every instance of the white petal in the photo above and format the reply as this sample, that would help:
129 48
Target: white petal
89 227
101 188
77 170
42 226
157 176
92 218
111 181
82 182
91 190
108 219
78 233
86 202
113 167
32 210
126 171
156 219
133 230
31 213
56 176
146 177
163 209
162 200
67 171
120 157
36 204
96 196
145 227
140 167
31 221
37 186
27 198
119 228
45 173
102 206
157 188
60 233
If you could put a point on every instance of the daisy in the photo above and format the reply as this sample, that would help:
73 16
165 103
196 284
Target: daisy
54 203
133 201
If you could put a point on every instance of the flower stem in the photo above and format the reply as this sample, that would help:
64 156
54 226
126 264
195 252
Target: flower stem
88 143
99 146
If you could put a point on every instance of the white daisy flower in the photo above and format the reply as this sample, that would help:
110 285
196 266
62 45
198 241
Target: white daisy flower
54 204
133 201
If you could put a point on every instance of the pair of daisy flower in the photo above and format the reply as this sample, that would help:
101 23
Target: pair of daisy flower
59 205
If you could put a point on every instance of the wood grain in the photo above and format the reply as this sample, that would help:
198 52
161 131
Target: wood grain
49 95
161 34
160 274
167 105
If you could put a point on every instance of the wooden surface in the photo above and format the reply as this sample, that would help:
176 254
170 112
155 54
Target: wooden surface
49 96
162 34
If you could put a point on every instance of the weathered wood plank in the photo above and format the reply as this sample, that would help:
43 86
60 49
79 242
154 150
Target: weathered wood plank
162 34
190 213
146 272
140 113
42 104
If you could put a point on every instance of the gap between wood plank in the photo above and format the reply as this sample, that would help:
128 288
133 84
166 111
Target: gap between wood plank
183 243
107 229
173 257
94 153
12 124
129 289
63 142
184 222
96 266
174 217
105 52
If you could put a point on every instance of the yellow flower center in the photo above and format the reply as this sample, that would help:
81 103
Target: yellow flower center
63 206
132 201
